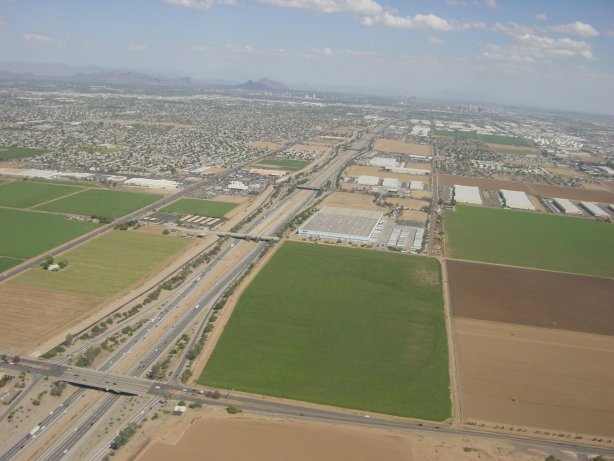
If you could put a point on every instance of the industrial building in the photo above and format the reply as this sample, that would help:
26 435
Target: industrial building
384 161
265 172
152 183
593 209
237 185
467 194
416 185
367 180
391 184
342 224
566 206
517 200
416 171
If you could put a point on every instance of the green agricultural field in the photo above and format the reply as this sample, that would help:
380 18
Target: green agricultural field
25 194
101 202
12 153
195 206
7 263
457 134
286 164
340 326
108 264
504 140
24 234
541 241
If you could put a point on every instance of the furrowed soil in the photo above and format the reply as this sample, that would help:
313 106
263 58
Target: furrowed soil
531 297
535 377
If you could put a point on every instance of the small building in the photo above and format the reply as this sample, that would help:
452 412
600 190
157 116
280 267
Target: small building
237 185
416 185
53 267
467 194
391 184
179 410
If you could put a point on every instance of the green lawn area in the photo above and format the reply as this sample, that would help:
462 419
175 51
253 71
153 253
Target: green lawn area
11 153
108 264
287 164
24 234
340 326
196 206
100 202
25 194
458 134
505 140
7 263
541 241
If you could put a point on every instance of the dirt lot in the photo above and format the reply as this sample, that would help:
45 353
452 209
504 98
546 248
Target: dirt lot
152 229
265 145
28 314
412 215
254 438
402 147
531 297
231 198
590 194
407 202
508 149
536 378
561 171
351 200
421 194
418 165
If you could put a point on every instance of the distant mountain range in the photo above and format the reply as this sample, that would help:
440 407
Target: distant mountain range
264 84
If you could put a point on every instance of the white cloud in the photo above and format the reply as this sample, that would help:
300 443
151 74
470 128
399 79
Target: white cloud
541 16
37 38
490 3
372 13
435 41
200 4
575 28
529 47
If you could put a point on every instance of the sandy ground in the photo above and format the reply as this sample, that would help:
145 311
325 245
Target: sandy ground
407 202
573 193
146 190
531 297
413 215
507 149
151 229
317 147
421 194
564 172
536 378
265 145
221 437
402 147
482 183
351 200
231 198
418 165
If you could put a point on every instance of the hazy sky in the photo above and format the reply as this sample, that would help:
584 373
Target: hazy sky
549 53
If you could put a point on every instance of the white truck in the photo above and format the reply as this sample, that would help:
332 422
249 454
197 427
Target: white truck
33 432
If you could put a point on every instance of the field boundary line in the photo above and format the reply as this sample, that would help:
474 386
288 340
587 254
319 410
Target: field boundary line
58 198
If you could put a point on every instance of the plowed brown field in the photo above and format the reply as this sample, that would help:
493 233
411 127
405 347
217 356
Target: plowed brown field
531 297
534 377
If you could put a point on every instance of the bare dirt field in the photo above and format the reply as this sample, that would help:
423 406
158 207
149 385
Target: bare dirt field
421 194
152 229
351 200
531 297
407 202
319 147
508 149
573 193
413 215
265 145
31 313
536 378
359 170
561 171
402 147
418 165
255 438
231 198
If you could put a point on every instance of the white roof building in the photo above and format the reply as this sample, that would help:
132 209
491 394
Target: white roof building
384 161
593 209
237 185
467 194
567 206
517 199
152 183
416 185
368 180
417 171
265 172
392 184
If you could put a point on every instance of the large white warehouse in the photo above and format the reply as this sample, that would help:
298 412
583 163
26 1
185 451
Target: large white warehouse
467 194
391 184
567 206
517 199
384 161
593 209
368 180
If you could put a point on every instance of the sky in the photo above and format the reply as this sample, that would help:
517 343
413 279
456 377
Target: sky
542 53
